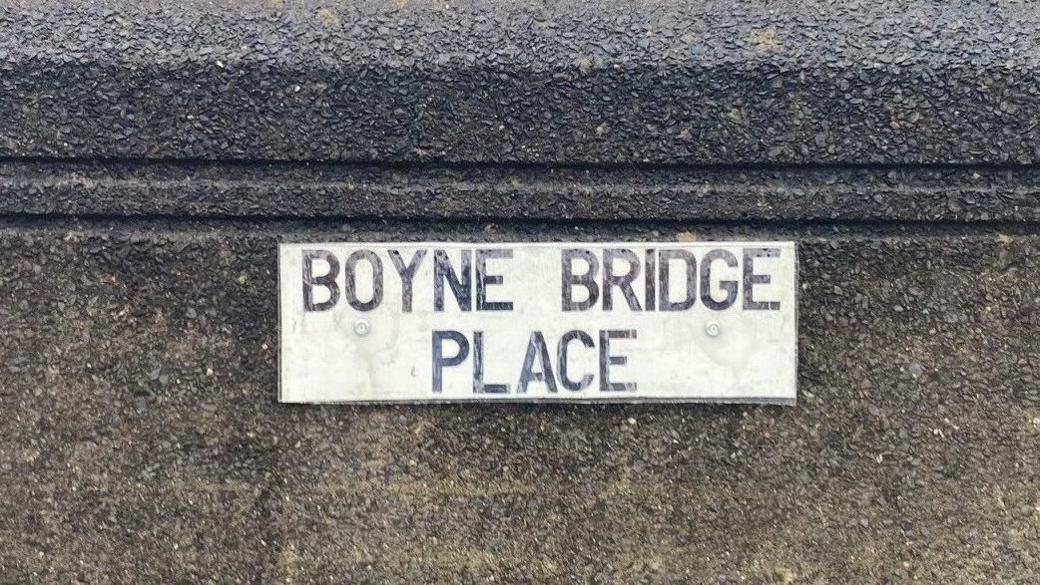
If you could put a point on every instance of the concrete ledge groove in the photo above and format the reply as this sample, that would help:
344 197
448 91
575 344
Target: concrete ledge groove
510 192
180 230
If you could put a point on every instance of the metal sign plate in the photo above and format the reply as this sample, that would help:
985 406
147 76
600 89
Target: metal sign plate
603 322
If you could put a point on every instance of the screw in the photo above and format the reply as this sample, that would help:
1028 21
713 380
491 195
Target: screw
713 329
362 327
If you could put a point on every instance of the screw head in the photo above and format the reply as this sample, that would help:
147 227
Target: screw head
713 329
361 327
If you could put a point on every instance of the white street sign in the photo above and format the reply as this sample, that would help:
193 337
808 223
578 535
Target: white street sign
576 321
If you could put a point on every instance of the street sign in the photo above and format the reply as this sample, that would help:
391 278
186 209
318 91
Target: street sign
538 322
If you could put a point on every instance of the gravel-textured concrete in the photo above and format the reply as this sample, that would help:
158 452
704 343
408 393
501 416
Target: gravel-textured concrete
152 156
140 439
602 81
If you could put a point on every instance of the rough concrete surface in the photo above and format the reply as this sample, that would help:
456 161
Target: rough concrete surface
141 438
685 81
152 156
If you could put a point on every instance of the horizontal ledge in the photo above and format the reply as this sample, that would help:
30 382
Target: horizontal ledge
179 232
598 82
503 193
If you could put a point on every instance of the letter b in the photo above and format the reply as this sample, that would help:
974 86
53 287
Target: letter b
327 280
569 280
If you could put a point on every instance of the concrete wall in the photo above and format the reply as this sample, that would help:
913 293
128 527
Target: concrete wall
154 157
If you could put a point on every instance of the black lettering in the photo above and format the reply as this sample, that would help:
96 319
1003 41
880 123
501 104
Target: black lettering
440 361
562 359
623 281
730 286
327 280
751 279
479 387
484 279
691 279
460 287
587 280
407 274
350 285
536 349
649 290
606 360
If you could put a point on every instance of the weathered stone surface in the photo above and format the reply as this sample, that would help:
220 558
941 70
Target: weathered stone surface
490 81
140 439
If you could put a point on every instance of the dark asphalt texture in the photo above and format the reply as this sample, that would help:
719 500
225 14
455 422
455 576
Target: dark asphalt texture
152 156
482 81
